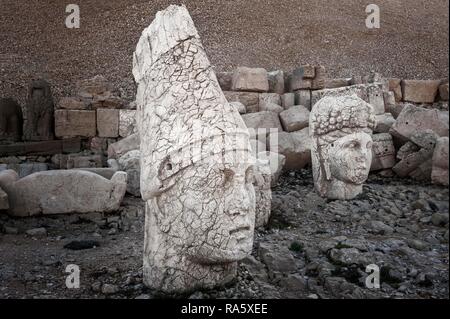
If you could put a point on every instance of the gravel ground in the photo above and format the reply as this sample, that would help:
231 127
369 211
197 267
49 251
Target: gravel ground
276 34
312 248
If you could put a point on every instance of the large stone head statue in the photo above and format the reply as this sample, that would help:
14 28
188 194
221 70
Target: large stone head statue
341 133
196 168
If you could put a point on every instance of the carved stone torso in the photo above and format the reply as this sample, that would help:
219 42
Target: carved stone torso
39 119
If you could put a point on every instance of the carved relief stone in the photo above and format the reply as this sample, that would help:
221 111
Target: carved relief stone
196 168
340 130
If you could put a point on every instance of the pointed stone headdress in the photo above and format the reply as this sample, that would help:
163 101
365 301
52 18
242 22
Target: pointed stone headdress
183 116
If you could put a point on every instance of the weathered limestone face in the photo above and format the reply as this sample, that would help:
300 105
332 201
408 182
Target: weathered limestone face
11 120
196 164
39 120
340 130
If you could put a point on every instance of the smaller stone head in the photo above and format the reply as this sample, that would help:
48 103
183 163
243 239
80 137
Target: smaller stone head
341 132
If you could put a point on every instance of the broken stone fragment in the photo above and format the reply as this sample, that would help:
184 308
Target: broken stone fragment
439 173
295 146
287 100
337 83
116 150
413 119
295 118
129 163
107 122
72 123
384 123
72 103
62 191
412 162
383 152
239 107
271 107
250 79
263 120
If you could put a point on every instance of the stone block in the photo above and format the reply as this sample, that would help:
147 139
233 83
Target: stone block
250 79
262 120
84 161
108 122
414 119
383 152
295 146
295 118
420 91
72 123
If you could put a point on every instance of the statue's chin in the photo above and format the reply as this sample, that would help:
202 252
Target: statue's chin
207 255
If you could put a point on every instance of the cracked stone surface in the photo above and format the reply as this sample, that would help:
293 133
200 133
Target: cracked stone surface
196 165
341 135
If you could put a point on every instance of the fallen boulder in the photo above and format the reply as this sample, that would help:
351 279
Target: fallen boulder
250 79
295 118
413 119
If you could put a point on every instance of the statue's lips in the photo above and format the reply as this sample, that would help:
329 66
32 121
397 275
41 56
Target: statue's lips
240 232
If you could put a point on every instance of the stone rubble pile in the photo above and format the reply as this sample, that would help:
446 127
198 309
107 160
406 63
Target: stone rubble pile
278 104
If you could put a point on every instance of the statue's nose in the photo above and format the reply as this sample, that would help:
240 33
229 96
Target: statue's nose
239 203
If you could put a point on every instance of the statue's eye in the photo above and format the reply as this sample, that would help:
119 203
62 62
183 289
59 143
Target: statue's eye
228 175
